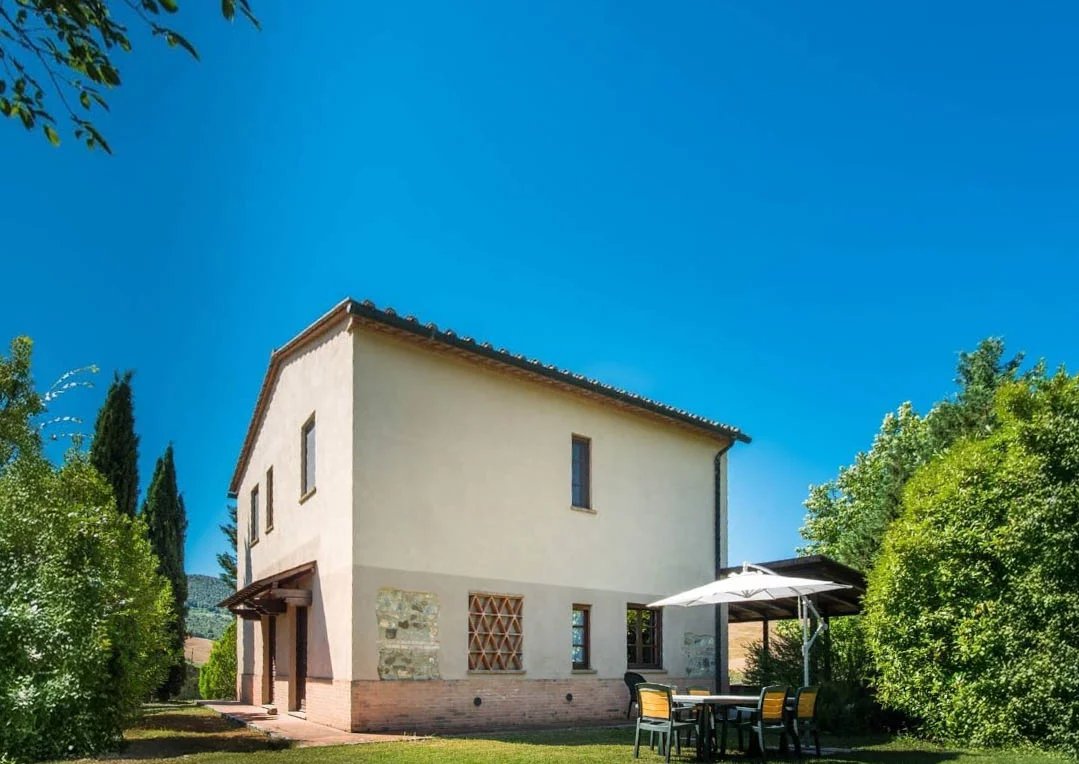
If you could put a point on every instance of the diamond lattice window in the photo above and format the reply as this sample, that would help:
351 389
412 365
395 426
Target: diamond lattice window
495 632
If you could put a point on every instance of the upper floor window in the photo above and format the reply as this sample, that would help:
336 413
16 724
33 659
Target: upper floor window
269 500
581 485
307 457
254 527
580 637
644 637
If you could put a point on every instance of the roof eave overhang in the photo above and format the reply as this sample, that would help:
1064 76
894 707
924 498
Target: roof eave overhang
408 327
250 598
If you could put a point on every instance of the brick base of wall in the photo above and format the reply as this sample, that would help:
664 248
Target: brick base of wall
442 706
280 694
329 702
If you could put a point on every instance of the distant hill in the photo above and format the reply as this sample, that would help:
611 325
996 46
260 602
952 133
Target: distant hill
197 650
204 618
206 591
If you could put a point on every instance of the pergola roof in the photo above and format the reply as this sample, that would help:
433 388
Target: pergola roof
834 603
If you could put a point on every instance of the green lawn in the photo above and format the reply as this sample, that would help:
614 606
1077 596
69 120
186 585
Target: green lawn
201 736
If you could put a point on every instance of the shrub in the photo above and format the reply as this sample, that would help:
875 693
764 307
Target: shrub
847 703
782 664
217 679
82 611
189 690
973 607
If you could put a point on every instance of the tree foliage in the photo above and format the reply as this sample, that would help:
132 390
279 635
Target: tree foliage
166 525
227 560
114 451
68 47
82 609
846 703
204 617
781 663
206 591
19 403
973 608
217 679
847 517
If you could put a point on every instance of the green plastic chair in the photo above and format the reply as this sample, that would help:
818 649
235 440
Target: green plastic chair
803 717
770 715
656 712
692 713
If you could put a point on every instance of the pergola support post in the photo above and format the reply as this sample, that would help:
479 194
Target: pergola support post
766 653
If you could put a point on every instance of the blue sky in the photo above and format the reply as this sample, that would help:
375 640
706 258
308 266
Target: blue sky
790 217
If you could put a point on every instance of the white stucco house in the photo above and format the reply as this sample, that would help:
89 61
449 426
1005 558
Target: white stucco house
438 535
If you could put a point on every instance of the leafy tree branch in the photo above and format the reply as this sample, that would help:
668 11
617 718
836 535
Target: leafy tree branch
67 47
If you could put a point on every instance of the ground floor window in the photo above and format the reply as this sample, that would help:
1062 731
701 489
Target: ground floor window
644 632
580 636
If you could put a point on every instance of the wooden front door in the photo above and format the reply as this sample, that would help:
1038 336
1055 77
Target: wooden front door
301 659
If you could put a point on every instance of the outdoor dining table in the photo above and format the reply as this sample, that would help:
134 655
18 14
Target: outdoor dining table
722 702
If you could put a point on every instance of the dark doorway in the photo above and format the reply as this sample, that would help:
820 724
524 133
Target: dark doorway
301 659
271 657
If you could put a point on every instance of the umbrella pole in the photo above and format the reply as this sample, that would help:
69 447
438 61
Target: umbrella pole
803 615
805 607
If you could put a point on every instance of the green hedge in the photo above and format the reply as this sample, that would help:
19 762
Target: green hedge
973 607
82 612
217 679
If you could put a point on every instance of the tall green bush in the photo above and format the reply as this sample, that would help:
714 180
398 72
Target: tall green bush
82 612
217 679
846 518
973 607
82 609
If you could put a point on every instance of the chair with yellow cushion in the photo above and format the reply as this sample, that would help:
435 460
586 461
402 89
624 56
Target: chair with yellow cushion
803 717
656 712
770 715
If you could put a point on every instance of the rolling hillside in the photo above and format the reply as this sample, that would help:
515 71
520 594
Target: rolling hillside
204 618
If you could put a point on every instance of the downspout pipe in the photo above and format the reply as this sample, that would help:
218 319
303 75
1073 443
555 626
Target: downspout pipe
720 642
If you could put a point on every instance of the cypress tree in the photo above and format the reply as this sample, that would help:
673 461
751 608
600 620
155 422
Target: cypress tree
227 560
115 450
166 524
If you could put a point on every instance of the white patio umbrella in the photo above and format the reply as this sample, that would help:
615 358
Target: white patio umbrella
758 585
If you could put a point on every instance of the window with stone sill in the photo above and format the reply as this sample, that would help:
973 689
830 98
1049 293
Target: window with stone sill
581 472
644 637
580 637
253 534
269 499
307 457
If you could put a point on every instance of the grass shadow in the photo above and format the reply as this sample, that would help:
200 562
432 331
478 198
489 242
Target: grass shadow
169 731
864 750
